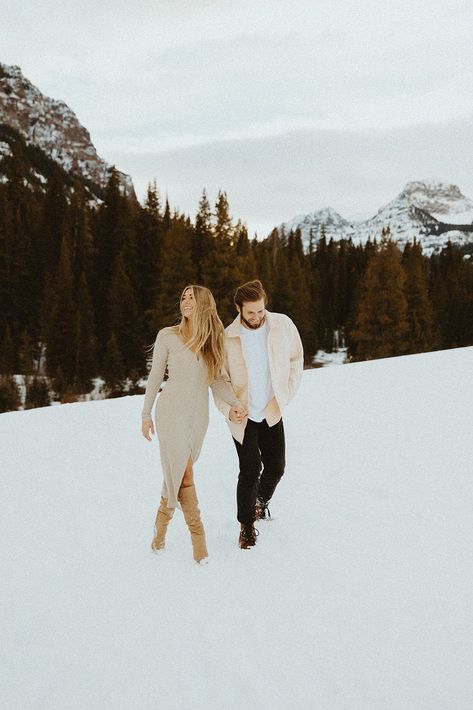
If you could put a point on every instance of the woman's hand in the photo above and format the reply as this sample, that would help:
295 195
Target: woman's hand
147 428
237 413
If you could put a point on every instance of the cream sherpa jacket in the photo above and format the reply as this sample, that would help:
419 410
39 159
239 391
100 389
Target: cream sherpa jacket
286 362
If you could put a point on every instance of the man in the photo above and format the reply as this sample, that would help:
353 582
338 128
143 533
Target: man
264 362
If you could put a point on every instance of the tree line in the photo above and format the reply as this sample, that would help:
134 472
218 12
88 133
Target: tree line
85 284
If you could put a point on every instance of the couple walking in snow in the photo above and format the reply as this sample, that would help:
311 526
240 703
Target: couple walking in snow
253 368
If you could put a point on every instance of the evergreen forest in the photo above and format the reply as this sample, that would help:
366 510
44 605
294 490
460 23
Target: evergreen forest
88 278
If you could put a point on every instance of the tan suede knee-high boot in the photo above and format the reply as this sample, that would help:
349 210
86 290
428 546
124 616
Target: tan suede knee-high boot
163 518
188 500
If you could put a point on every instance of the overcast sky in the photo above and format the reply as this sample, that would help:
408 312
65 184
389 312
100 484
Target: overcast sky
288 106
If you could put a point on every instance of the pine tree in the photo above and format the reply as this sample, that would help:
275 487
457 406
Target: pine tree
114 370
80 229
124 319
220 267
381 327
419 306
61 386
8 358
7 265
26 360
202 241
114 234
452 297
325 266
153 201
294 296
356 268
151 232
55 220
177 271
61 338
86 365
17 266
166 216
282 296
264 267
9 394
37 394
315 302
246 262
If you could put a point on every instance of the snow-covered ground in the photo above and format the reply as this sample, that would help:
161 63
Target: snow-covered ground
356 597
337 357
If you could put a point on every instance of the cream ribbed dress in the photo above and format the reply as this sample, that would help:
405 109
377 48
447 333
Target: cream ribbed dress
182 409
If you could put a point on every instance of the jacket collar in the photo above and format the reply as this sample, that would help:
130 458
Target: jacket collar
233 330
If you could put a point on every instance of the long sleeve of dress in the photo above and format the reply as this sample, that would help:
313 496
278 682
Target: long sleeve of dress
156 375
223 394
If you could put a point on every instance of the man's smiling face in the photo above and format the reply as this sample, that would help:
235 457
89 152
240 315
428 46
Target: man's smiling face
252 314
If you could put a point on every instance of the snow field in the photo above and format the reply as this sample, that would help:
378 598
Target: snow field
356 597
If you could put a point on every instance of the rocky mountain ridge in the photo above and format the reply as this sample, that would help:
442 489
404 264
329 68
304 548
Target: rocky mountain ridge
53 127
431 211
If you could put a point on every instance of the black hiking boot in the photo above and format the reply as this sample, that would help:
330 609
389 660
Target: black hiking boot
248 535
262 510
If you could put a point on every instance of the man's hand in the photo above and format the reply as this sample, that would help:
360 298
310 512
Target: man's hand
237 414
147 428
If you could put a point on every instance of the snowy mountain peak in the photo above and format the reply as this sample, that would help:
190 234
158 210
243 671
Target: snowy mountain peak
331 215
435 196
431 210
327 216
52 126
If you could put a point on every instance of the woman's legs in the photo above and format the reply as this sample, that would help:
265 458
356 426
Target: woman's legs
164 514
189 504
188 477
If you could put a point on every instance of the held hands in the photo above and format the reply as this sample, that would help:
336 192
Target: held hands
147 428
237 414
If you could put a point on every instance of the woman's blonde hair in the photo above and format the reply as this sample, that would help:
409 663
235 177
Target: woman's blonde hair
203 333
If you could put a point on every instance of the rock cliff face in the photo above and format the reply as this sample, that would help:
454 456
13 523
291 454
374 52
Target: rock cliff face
52 126
431 211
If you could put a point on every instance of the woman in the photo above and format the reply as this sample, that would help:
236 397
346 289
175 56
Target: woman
193 354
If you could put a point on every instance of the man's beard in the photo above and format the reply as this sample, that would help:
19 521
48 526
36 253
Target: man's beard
250 325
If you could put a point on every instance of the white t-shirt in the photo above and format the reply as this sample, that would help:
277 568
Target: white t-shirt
260 389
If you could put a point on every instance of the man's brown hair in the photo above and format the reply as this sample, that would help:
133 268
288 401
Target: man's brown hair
250 292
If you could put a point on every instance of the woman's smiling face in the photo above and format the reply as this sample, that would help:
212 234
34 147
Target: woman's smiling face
187 303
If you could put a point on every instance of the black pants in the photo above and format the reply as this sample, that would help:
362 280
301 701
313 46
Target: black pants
264 445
